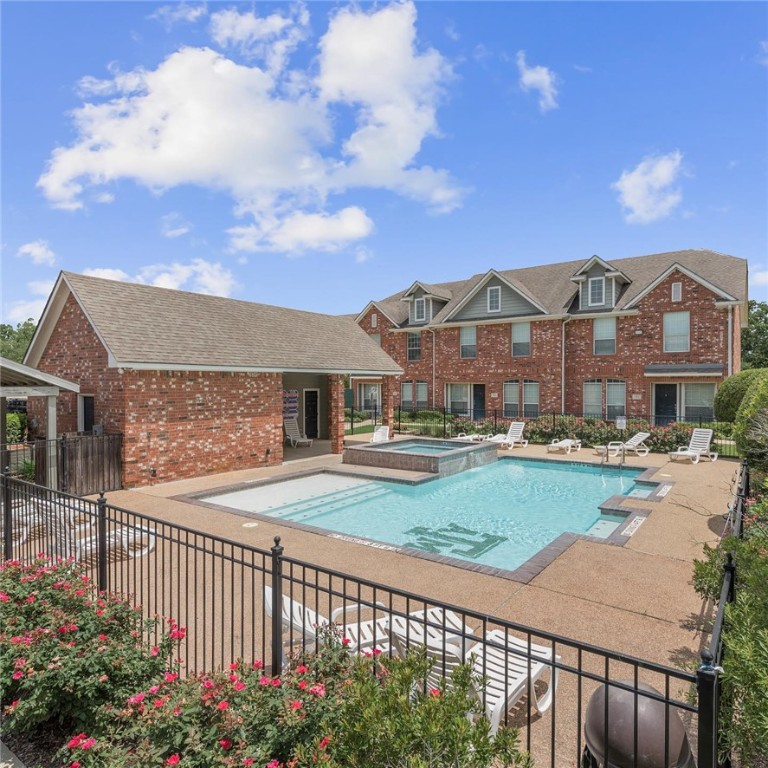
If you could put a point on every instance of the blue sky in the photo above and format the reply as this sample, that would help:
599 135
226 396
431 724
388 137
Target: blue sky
320 155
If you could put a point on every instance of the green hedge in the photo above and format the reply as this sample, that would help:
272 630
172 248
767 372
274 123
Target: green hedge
16 427
751 428
731 392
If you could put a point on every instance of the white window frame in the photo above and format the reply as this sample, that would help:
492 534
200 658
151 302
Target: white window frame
611 387
421 392
677 292
519 341
374 319
412 348
449 398
668 337
591 406
419 304
528 411
596 281
470 346
511 407
406 385
494 291
598 324
81 411
684 407
362 386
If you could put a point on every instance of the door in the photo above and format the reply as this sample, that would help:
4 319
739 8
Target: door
665 404
478 401
311 412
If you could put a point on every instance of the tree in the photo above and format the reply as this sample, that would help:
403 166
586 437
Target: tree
14 341
754 338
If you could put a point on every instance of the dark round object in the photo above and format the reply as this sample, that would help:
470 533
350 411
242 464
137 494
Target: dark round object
619 746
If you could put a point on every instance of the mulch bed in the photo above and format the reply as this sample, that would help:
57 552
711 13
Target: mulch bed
38 751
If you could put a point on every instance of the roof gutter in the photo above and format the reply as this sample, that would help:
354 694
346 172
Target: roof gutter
132 366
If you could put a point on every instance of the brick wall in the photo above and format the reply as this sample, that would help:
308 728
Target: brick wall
336 412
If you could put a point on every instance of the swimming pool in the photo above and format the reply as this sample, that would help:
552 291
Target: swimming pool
499 515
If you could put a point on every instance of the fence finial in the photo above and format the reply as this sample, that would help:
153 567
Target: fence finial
706 660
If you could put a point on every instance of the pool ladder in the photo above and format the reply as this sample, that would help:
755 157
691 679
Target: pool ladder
604 457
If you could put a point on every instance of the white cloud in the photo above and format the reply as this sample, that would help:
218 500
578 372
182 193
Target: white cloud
19 311
199 276
169 15
269 38
762 56
758 275
38 252
581 68
267 136
362 255
538 79
41 287
174 225
647 192
451 32
300 232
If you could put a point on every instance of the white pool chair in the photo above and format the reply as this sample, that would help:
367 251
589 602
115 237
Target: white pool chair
293 434
380 435
505 668
362 636
699 447
636 443
474 437
514 436
567 445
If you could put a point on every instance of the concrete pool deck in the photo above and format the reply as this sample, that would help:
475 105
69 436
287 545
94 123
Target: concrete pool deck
636 599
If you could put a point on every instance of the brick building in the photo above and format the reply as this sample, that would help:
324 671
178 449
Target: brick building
648 336
195 384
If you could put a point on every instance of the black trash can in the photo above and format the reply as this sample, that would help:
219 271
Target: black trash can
616 748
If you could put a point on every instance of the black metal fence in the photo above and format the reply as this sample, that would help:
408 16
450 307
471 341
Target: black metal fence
238 601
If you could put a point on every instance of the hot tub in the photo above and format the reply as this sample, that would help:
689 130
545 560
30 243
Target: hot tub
437 457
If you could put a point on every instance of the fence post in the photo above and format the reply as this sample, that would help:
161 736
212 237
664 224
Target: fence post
277 608
7 516
102 541
707 682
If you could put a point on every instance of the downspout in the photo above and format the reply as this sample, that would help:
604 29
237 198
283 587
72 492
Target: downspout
433 365
562 366
730 340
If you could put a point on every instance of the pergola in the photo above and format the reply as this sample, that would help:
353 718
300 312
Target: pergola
17 380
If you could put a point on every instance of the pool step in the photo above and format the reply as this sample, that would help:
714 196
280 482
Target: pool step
328 502
602 529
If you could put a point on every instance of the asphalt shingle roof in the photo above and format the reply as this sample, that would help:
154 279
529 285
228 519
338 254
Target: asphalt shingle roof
144 324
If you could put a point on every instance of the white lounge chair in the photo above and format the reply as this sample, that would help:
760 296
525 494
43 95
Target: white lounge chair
566 445
293 434
635 443
474 437
362 636
699 447
380 435
514 436
436 625
504 667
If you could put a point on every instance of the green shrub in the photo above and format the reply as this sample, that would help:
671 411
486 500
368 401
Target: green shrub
751 426
731 392
16 427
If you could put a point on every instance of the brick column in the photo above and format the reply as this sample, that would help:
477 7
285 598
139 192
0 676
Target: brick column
388 384
336 412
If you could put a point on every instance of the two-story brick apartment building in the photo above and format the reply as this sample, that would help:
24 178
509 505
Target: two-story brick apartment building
644 336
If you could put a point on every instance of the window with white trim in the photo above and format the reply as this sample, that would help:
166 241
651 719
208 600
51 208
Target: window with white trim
468 341
494 298
421 395
406 395
593 398
596 291
374 319
677 331
86 411
604 335
376 337
511 399
521 339
615 399
368 396
414 346
677 291
419 310
457 398
698 402
530 399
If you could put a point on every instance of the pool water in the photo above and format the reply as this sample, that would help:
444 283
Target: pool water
498 515
422 448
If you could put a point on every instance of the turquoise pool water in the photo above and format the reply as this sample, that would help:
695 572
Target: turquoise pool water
423 448
499 515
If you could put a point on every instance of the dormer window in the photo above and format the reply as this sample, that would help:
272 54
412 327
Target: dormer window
494 298
419 310
596 291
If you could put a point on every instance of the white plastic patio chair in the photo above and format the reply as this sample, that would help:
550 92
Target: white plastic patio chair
505 668
566 445
380 435
293 434
362 636
635 443
697 448
436 625
514 436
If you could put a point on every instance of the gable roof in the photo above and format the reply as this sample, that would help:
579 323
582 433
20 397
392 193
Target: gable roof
551 287
145 327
